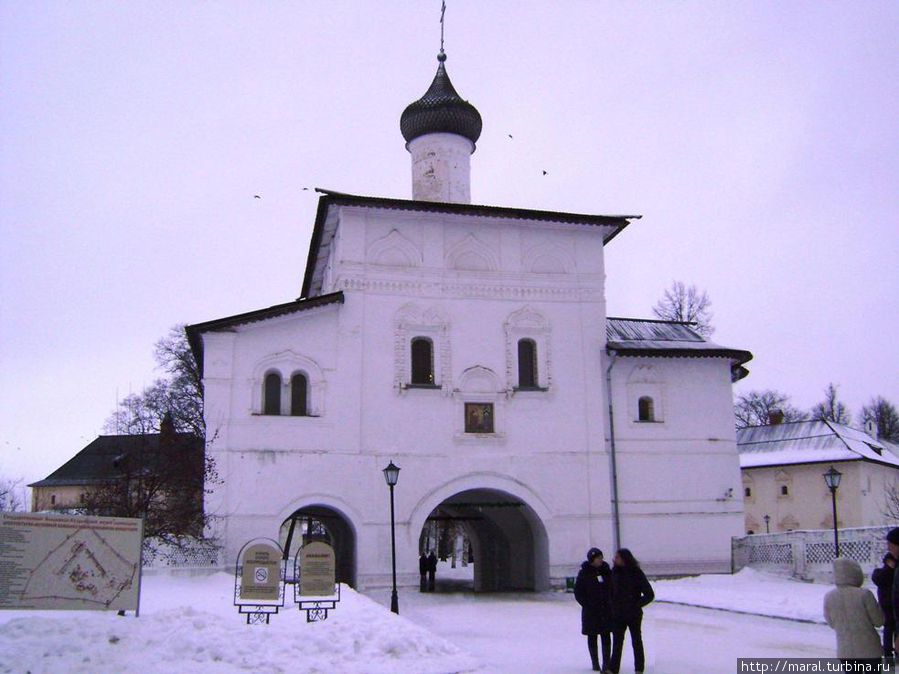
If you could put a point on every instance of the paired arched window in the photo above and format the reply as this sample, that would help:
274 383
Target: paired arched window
299 395
527 363
645 409
422 361
271 394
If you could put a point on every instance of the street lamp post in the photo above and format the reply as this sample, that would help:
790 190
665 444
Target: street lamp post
391 475
767 519
832 480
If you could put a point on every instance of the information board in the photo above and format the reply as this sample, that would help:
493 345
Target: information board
260 578
69 562
317 570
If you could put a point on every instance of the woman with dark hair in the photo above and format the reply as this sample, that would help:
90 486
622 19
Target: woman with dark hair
631 591
591 590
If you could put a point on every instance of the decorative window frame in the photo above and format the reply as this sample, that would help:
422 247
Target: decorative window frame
288 363
748 483
781 478
394 250
412 321
644 381
528 323
479 384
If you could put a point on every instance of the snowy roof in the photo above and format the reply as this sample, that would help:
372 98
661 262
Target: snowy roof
809 442
669 339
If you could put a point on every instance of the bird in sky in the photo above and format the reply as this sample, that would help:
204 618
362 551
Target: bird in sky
510 135
544 173
256 196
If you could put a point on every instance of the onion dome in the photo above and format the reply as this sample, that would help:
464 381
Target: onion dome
441 110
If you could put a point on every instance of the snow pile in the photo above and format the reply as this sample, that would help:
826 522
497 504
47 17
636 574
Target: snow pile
188 624
748 591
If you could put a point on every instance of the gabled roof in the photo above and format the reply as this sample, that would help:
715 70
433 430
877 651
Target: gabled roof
814 441
323 229
97 463
650 338
194 331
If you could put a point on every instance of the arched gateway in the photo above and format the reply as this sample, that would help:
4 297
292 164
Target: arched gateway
508 542
322 523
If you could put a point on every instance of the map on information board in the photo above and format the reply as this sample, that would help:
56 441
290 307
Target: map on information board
69 562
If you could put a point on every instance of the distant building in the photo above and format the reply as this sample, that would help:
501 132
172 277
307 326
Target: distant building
783 465
108 460
471 345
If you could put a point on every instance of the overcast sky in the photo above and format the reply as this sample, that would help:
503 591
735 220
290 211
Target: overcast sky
758 139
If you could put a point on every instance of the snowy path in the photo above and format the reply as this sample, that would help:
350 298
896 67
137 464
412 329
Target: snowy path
540 634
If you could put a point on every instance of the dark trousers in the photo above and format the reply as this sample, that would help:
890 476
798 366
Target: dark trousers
592 646
423 584
889 631
432 580
634 625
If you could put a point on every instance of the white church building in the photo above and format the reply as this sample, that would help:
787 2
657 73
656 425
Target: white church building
469 345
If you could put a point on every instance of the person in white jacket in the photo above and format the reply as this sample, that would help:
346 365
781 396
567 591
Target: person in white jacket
853 613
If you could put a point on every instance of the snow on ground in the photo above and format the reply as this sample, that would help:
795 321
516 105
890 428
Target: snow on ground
188 624
749 591
541 634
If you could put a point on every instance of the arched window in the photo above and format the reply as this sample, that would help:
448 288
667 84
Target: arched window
527 363
645 409
422 361
299 386
271 394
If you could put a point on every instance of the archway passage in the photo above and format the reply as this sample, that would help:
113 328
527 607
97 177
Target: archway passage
501 534
321 523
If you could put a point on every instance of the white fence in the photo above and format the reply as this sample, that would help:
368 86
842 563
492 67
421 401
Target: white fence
809 554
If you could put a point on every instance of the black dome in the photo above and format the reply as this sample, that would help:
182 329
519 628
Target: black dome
441 110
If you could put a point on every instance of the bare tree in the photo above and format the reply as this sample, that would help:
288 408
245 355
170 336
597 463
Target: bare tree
179 394
688 305
831 408
883 413
757 408
11 495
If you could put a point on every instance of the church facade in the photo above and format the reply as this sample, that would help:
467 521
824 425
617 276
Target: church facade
471 346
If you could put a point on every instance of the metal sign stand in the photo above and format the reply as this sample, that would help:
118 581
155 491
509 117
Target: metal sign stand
258 612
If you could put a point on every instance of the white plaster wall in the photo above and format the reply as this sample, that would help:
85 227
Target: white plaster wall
441 167
678 478
550 451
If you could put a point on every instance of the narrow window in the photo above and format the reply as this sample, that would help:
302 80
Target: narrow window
422 361
750 532
298 397
479 417
272 394
527 363
645 409
81 497
784 490
52 499
748 492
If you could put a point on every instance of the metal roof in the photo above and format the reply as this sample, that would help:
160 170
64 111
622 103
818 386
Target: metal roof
648 338
97 462
812 441
441 110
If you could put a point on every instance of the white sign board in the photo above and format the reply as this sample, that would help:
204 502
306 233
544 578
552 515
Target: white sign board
69 562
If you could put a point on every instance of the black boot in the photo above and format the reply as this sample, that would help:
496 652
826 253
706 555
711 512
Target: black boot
594 652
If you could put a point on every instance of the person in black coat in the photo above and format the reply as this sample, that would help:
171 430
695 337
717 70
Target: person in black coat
631 591
883 579
432 571
423 572
893 609
592 590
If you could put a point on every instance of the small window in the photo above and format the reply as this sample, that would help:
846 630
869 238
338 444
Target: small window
750 532
784 490
747 492
52 499
299 386
81 497
271 394
479 417
422 361
527 363
645 409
